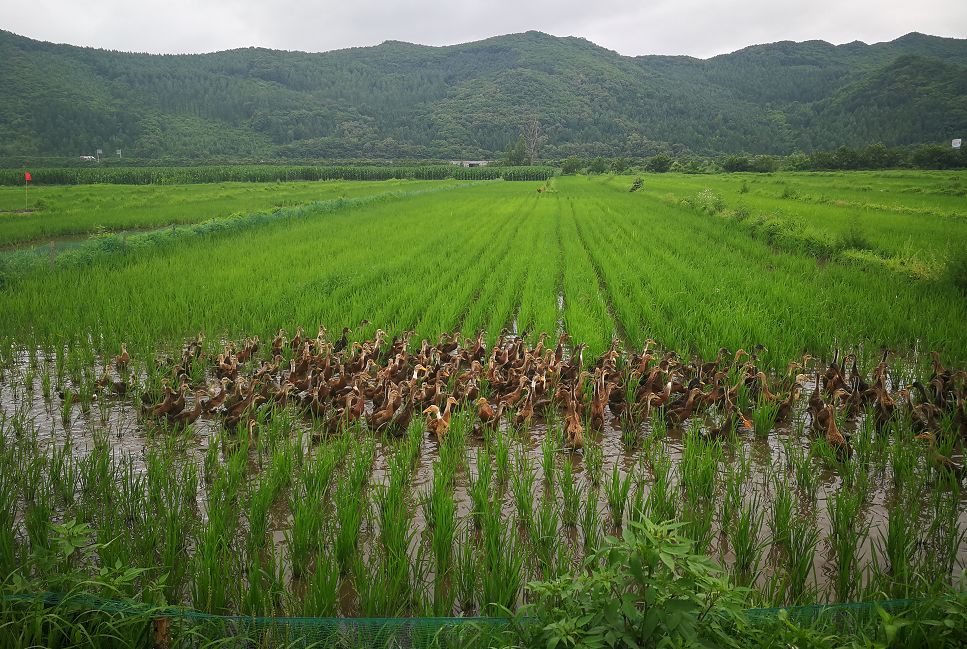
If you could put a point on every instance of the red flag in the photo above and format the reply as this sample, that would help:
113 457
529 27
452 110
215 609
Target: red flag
27 177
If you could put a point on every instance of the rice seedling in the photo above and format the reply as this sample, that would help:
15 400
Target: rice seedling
699 465
780 518
442 524
594 460
570 496
321 597
45 384
806 477
898 546
396 533
846 533
502 457
801 551
214 557
591 522
548 452
732 498
544 536
659 423
698 517
617 490
8 541
636 506
467 572
260 501
502 566
662 501
764 417
523 488
944 538
350 516
479 486
745 542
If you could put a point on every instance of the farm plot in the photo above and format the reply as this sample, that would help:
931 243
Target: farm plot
334 445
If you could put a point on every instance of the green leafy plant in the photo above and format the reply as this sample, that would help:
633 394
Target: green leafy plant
648 588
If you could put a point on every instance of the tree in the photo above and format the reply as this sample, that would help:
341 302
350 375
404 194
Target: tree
763 164
935 156
660 163
533 137
516 154
736 163
571 165
619 165
598 166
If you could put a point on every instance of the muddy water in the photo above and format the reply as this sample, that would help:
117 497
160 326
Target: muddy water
130 437
62 242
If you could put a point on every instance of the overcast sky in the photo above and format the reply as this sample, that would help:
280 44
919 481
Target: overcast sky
697 27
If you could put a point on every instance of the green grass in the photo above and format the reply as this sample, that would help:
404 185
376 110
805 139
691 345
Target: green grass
904 220
71 211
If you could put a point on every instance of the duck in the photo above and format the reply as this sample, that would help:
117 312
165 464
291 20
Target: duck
121 360
186 417
833 436
437 423
938 460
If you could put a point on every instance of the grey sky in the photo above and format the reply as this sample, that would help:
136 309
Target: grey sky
696 27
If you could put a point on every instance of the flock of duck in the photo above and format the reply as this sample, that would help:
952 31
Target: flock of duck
380 382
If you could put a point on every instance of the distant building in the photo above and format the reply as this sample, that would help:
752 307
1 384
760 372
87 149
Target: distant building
470 163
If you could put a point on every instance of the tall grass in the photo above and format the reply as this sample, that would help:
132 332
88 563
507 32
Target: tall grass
617 490
846 533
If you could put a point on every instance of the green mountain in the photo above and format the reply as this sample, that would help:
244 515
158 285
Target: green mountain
399 100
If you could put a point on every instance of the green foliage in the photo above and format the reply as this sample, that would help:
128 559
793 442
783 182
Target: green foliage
263 173
648 588
571 165
957 270
398 100
515 155
735 163
598 165
659 164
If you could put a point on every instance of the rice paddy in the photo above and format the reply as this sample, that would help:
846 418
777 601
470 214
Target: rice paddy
67 214
676 353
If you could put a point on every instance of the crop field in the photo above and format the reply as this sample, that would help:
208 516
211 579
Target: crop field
437 398
67 213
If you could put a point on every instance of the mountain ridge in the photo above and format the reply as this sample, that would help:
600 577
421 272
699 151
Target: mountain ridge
470 100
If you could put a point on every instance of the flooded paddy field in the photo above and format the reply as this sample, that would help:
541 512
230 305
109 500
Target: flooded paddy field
276 414
287 494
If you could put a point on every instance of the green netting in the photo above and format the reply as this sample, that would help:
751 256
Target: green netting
188 627
183 627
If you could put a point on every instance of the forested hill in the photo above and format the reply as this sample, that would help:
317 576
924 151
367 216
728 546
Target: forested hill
399 100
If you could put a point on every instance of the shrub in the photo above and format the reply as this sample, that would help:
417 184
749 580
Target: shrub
854 238
736 163
957 271
598 166
649 588
709 202
659 164
571 165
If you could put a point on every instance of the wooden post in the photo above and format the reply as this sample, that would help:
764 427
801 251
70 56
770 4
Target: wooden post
161 633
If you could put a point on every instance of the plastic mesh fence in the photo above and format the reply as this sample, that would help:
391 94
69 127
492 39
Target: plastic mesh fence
180 627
